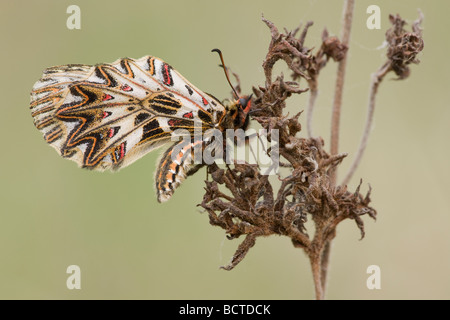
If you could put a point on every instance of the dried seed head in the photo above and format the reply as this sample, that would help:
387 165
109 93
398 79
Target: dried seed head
332 47
403 46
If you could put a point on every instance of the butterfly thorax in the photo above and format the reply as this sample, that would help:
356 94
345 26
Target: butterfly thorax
236 114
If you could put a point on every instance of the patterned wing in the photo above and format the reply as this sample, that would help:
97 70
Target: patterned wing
108 116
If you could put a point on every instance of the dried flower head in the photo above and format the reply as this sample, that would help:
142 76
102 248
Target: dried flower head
286 46
403 46
332 47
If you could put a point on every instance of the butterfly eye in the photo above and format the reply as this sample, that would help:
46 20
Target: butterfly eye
245 103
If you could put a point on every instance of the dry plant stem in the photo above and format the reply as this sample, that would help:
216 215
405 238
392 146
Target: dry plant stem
337 103
316 271
376 80
313 92
335 120
324 262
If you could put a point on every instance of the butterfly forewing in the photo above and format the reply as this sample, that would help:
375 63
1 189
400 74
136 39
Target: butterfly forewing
107 116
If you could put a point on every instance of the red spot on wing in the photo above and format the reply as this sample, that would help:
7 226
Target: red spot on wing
188 115
107 97
111 133
126 87
173 122
205 102
105 114
168 79
122 150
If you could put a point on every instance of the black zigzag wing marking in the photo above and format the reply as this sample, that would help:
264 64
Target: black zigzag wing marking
44 121
102 73
48 94
108 137
177 123
153 131
126 68
164 104
141 117
189 89
53 134
205 117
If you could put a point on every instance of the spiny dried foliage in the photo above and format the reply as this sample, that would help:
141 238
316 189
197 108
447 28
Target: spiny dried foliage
252 206
403 46
300 60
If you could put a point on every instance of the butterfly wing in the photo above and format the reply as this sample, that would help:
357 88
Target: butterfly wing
108 116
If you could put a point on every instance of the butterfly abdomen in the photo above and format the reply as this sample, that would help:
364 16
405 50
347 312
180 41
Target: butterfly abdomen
174 166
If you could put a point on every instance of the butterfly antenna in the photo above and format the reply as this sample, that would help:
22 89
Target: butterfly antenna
225 69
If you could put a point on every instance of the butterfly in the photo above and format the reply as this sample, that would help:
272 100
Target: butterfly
107 116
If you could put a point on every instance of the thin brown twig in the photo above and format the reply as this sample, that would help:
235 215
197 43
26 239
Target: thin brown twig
376 80
324 262
335 121
313 92
337 103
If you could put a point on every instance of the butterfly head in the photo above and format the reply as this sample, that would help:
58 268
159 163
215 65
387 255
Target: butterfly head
244 105
237 113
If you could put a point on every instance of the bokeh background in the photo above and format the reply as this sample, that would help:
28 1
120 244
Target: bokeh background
128 246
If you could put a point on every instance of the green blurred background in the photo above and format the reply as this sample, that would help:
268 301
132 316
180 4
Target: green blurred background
130 247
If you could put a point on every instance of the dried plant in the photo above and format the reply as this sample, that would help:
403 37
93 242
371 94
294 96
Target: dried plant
244 202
